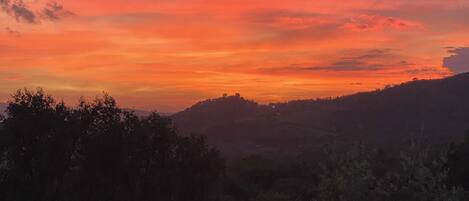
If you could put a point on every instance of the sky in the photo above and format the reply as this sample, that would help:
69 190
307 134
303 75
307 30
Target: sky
166 55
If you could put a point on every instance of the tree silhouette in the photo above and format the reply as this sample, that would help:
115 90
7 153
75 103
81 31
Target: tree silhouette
38 147
458 161
98 151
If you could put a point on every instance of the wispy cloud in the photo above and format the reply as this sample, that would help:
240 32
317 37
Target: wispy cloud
370 60
21 12
290 20
54 11
18 10
379 22
12 32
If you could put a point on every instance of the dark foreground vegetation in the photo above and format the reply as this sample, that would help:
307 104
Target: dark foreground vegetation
99 152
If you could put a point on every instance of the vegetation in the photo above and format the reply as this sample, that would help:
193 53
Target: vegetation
99 152
357 173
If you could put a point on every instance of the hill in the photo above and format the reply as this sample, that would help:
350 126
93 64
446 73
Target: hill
434 110
3 107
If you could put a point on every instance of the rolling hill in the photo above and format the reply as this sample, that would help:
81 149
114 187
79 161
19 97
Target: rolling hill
436 111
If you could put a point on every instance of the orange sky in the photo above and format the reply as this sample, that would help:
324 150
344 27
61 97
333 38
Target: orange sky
168 54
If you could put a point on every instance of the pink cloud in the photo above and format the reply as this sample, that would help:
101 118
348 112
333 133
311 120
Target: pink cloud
379 22
15 78
300 22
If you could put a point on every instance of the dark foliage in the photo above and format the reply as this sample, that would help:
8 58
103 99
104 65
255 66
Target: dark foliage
97 151
355 173
458 162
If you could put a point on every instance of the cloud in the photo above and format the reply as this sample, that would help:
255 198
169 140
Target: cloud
18 10
425 71
290 20
373 54
370 60
330 68
21 12
12 32
54 11
458 61
339 67
379 22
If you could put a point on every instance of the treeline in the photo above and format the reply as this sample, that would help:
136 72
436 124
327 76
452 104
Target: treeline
357 173
97 151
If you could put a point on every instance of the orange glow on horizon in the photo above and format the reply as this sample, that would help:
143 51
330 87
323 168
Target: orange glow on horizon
166 55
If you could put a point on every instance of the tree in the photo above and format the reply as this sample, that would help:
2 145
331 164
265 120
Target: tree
98 151
37 148
348 176
458 163
422 176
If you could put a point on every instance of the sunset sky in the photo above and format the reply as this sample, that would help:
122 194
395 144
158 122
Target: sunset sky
169 54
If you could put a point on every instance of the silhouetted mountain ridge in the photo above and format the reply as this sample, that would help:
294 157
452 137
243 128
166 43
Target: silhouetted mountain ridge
213 112
435 110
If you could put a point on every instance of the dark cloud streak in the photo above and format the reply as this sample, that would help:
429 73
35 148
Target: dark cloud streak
12 32
54 11
19 11
371 60
22 13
